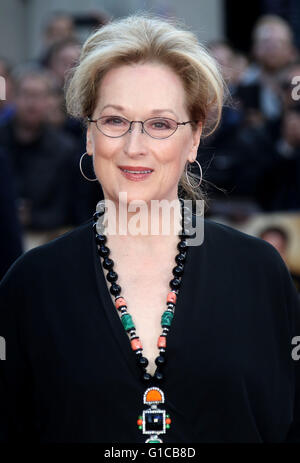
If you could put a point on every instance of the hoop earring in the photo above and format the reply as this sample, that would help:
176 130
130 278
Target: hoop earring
187 177
80 167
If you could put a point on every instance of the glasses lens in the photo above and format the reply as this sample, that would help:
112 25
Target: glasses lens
113 126
160 127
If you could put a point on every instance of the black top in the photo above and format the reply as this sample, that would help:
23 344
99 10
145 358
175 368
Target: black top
70 374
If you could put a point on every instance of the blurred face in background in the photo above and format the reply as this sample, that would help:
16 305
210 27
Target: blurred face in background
225 57
62 61
60 28
32 101
273 47
277 240
136 91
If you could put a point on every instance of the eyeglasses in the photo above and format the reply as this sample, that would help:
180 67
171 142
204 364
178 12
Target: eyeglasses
155 127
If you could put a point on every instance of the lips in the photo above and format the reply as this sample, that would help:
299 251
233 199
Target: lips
136 174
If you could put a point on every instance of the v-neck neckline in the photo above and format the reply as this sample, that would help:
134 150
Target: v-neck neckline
117 328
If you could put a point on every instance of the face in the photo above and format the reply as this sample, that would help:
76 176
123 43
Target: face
60 29
32 101
64 60
273 48
138 92
276 240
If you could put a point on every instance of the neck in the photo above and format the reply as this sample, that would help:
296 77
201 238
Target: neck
144 225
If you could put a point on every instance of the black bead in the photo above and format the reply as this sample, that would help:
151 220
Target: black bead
160 360
178 271
158 375
101 239
180 258
142 362
183 235
115 289
175 283
146 377
112 276
108 263
182 246
103 251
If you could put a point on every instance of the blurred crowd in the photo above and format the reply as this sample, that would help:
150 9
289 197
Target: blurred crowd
250 164
254 157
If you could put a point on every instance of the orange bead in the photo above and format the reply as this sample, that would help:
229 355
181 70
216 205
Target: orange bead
162 341
168 420
120 301
136 344
153 395
171 297
139 422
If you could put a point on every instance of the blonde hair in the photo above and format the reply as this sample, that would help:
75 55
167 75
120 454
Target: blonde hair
144 38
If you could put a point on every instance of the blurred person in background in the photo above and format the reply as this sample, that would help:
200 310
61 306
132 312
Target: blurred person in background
7 107
11 245
272 50
62 56
42 156
58 27
279 186
279 238
233 154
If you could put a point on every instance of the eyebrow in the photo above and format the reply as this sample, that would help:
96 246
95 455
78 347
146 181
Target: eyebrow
154 111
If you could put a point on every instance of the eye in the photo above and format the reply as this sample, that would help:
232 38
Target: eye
112 120
160 124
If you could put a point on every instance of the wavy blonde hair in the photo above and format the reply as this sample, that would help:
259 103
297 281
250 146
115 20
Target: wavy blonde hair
144 38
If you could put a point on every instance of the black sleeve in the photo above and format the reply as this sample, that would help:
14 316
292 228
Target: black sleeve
293 307
16 404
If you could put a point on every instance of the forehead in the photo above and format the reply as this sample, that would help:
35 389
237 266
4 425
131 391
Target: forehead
146 85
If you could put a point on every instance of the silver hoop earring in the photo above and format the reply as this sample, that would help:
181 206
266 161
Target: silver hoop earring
187 177
80 167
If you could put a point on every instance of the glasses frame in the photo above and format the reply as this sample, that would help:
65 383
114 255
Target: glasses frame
143 130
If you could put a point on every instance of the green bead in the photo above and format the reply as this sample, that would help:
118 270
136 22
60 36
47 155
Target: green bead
140 417
167 415
167 318
154 441
127 322
167 426
140 426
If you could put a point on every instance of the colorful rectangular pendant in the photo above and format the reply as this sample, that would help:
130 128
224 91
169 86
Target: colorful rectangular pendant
154 421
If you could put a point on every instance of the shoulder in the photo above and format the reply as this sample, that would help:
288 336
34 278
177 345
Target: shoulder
247 262
228 241
66 251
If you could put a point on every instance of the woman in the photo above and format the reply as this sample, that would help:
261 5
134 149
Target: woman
81 315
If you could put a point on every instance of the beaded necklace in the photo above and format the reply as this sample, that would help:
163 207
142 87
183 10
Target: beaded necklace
153 421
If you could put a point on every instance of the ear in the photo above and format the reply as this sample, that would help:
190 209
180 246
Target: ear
196 141
89 144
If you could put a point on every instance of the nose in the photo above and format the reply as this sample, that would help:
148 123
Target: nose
135 141
136 122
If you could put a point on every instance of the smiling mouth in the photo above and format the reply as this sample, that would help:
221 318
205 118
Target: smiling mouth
137 171
136 175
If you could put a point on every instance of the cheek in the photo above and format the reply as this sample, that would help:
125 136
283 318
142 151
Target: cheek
104 148
176 154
